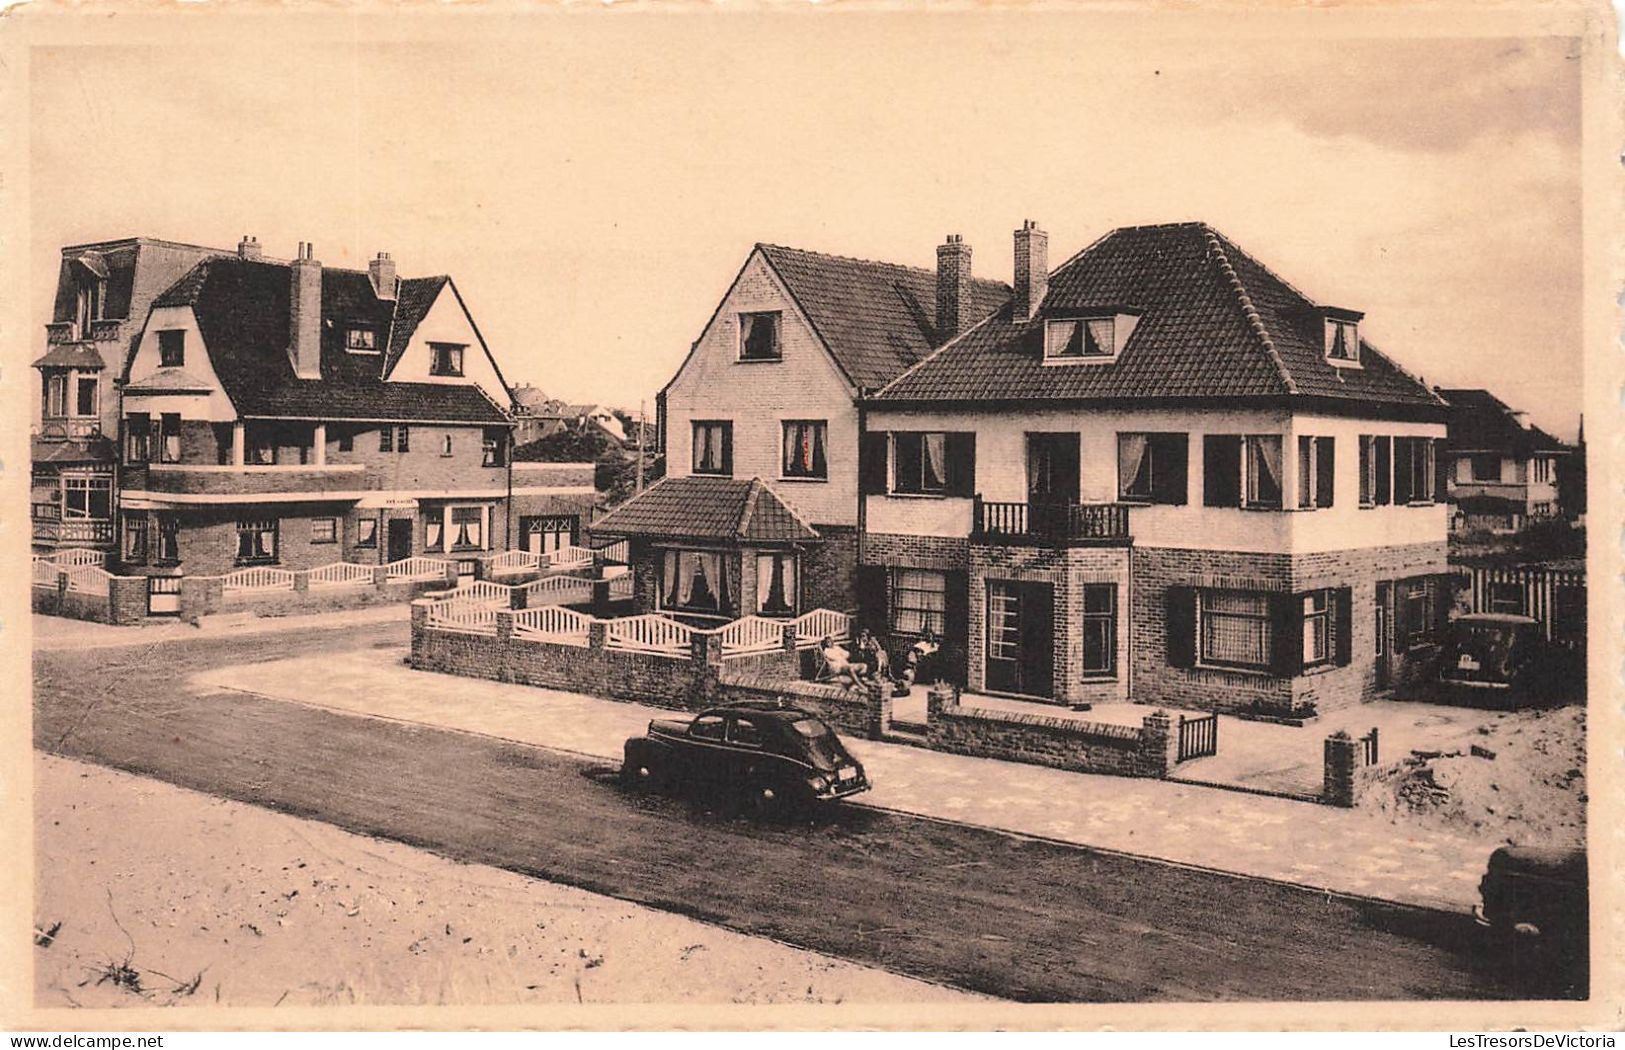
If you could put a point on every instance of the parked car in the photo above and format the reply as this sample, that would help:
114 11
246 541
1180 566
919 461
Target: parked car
1485 654
1537 892
775 756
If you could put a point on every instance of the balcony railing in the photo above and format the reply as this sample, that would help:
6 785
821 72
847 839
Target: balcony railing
105 331
62 332
1061 523
72 531
60 428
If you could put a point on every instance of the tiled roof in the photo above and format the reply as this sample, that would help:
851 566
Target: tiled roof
876 318
707 508
71 355
242 312
1480 420
1212 323
73 450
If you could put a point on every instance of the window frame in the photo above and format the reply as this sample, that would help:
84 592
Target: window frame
722 590
328 533
1477 459
87 485
931 619
445 445
366 533
792 588
724 447
917 458
54 401
817 445
1080 327
167 453
461 514
745 321
93 381
1317 613
1254 468
1263 618
1157 446
168 550
259 528
450 366
1108 617
137 527
172 351
493 446
1316 479
353 344
1349 332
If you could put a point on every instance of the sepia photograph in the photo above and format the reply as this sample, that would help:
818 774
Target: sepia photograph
811 516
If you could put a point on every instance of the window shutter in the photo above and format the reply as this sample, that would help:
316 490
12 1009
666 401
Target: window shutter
1404 471
1343 625
1180 606
1173 470
956 624
1365 470
1382 447
1286 634
1221 470
1325 468
960 448
872 464
728 449
1441 472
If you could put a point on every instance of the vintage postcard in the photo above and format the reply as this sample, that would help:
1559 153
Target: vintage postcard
811 516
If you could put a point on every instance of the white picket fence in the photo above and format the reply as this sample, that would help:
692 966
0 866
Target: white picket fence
570 557
258 578
88 579
650 633
558 590
813 627
74 556
340 574
418 568
463 614
753 634
553 623
620 588
617 553
515 561
45 571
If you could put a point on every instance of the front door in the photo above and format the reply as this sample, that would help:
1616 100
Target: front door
1053 467
400 538
1020 638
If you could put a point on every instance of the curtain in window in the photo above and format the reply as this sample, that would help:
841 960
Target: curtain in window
1235 628
256 540
936 461
672 577
432 534
775 583
466 527
1133 466
172 438
1264 468
1100 336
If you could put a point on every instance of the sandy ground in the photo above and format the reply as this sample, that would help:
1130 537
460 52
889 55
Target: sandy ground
1525 784
169 897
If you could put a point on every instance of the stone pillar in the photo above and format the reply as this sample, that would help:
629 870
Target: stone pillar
126 599
449 577
380 575
1159 744
301 581
504 626
595 634
940 698
318 445
61 590
518 597
600 599
1337 787
877 707
420 623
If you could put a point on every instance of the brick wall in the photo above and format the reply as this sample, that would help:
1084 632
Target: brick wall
1084 747
828 568
864 711
124 603
897 550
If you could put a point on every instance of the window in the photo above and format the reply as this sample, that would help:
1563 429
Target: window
366 532
169 541
1376 472
759 336
85 401
137 438
1317 628
776 584
745 732
447 359
494 447
259 447
445 444
920 462
135 538
433 533
467 528
706 727
1415 613
804 448
87 498
1082 338
172 348
1342 341
1234 629
1099 630
403 439
1152 468
919 602
56 395
169 448
386 439
361 340
1486 466
713 447
256 541
324 530
1413 470
1382 621
1315 472
694 581
1263 470
346 440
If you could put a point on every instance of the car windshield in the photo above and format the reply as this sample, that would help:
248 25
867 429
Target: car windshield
822 747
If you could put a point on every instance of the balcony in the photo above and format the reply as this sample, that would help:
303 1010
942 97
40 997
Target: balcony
296 481
61 428
61 332
1056 524
1516 491
50 528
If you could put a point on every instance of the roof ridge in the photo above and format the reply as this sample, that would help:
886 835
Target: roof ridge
928 271
1250 312
752 493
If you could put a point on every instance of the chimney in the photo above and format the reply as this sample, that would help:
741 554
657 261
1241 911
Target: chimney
249 248
305 313
953 286
383 276
1032 270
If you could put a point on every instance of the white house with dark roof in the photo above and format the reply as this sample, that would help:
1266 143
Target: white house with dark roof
291 414
764 410
1502 471
1159 472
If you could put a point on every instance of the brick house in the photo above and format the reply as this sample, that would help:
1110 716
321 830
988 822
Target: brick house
103 292
1160 473
290 414
758 511
1501 472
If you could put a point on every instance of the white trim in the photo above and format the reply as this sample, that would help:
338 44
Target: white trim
160 500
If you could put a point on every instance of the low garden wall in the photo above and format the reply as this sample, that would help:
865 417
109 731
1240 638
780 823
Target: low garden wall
1147 750
106 599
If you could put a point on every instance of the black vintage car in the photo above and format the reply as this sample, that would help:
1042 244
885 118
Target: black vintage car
776 757
1535 891
1501 660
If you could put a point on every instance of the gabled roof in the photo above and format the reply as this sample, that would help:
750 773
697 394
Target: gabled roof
1213 323
71 355
1480 420
876 318
241 308
731 510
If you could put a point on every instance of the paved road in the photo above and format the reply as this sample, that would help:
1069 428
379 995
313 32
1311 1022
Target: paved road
978 909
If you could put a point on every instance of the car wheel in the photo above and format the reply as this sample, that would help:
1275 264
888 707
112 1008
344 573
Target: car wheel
641 771
765 800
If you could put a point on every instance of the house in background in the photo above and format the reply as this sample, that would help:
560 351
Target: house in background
1501 472
758 512
102 295
291 414
1159 473
537 416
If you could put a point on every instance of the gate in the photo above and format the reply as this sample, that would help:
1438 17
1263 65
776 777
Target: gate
1198 737
163 595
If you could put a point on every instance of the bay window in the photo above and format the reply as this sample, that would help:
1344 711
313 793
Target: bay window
777 584
467 528
694 581
56 395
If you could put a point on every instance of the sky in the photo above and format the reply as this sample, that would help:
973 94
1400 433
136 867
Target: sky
593 183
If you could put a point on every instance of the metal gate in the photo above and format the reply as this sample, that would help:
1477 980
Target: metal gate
1198 737
163 595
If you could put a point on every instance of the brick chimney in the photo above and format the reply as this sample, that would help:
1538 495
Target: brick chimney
305 313
1032 270
383 276
249 248
953 286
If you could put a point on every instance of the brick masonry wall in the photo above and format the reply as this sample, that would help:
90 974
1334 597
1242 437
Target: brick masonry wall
860 712
828 568
899 551
1083 747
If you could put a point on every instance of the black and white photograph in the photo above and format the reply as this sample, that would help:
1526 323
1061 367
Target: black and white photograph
812 516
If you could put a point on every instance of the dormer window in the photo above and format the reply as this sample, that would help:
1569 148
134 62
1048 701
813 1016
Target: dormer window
1080 338
172 348
448 359
759 336
1342 341
360 340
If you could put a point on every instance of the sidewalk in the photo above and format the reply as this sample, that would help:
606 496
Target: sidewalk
61 632
1343 851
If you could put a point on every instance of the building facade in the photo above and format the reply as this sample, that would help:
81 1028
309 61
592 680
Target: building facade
1501 473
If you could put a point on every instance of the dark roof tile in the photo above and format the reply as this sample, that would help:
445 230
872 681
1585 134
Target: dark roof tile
708 508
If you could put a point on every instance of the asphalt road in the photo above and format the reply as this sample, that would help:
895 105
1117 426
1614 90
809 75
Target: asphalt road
978 909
